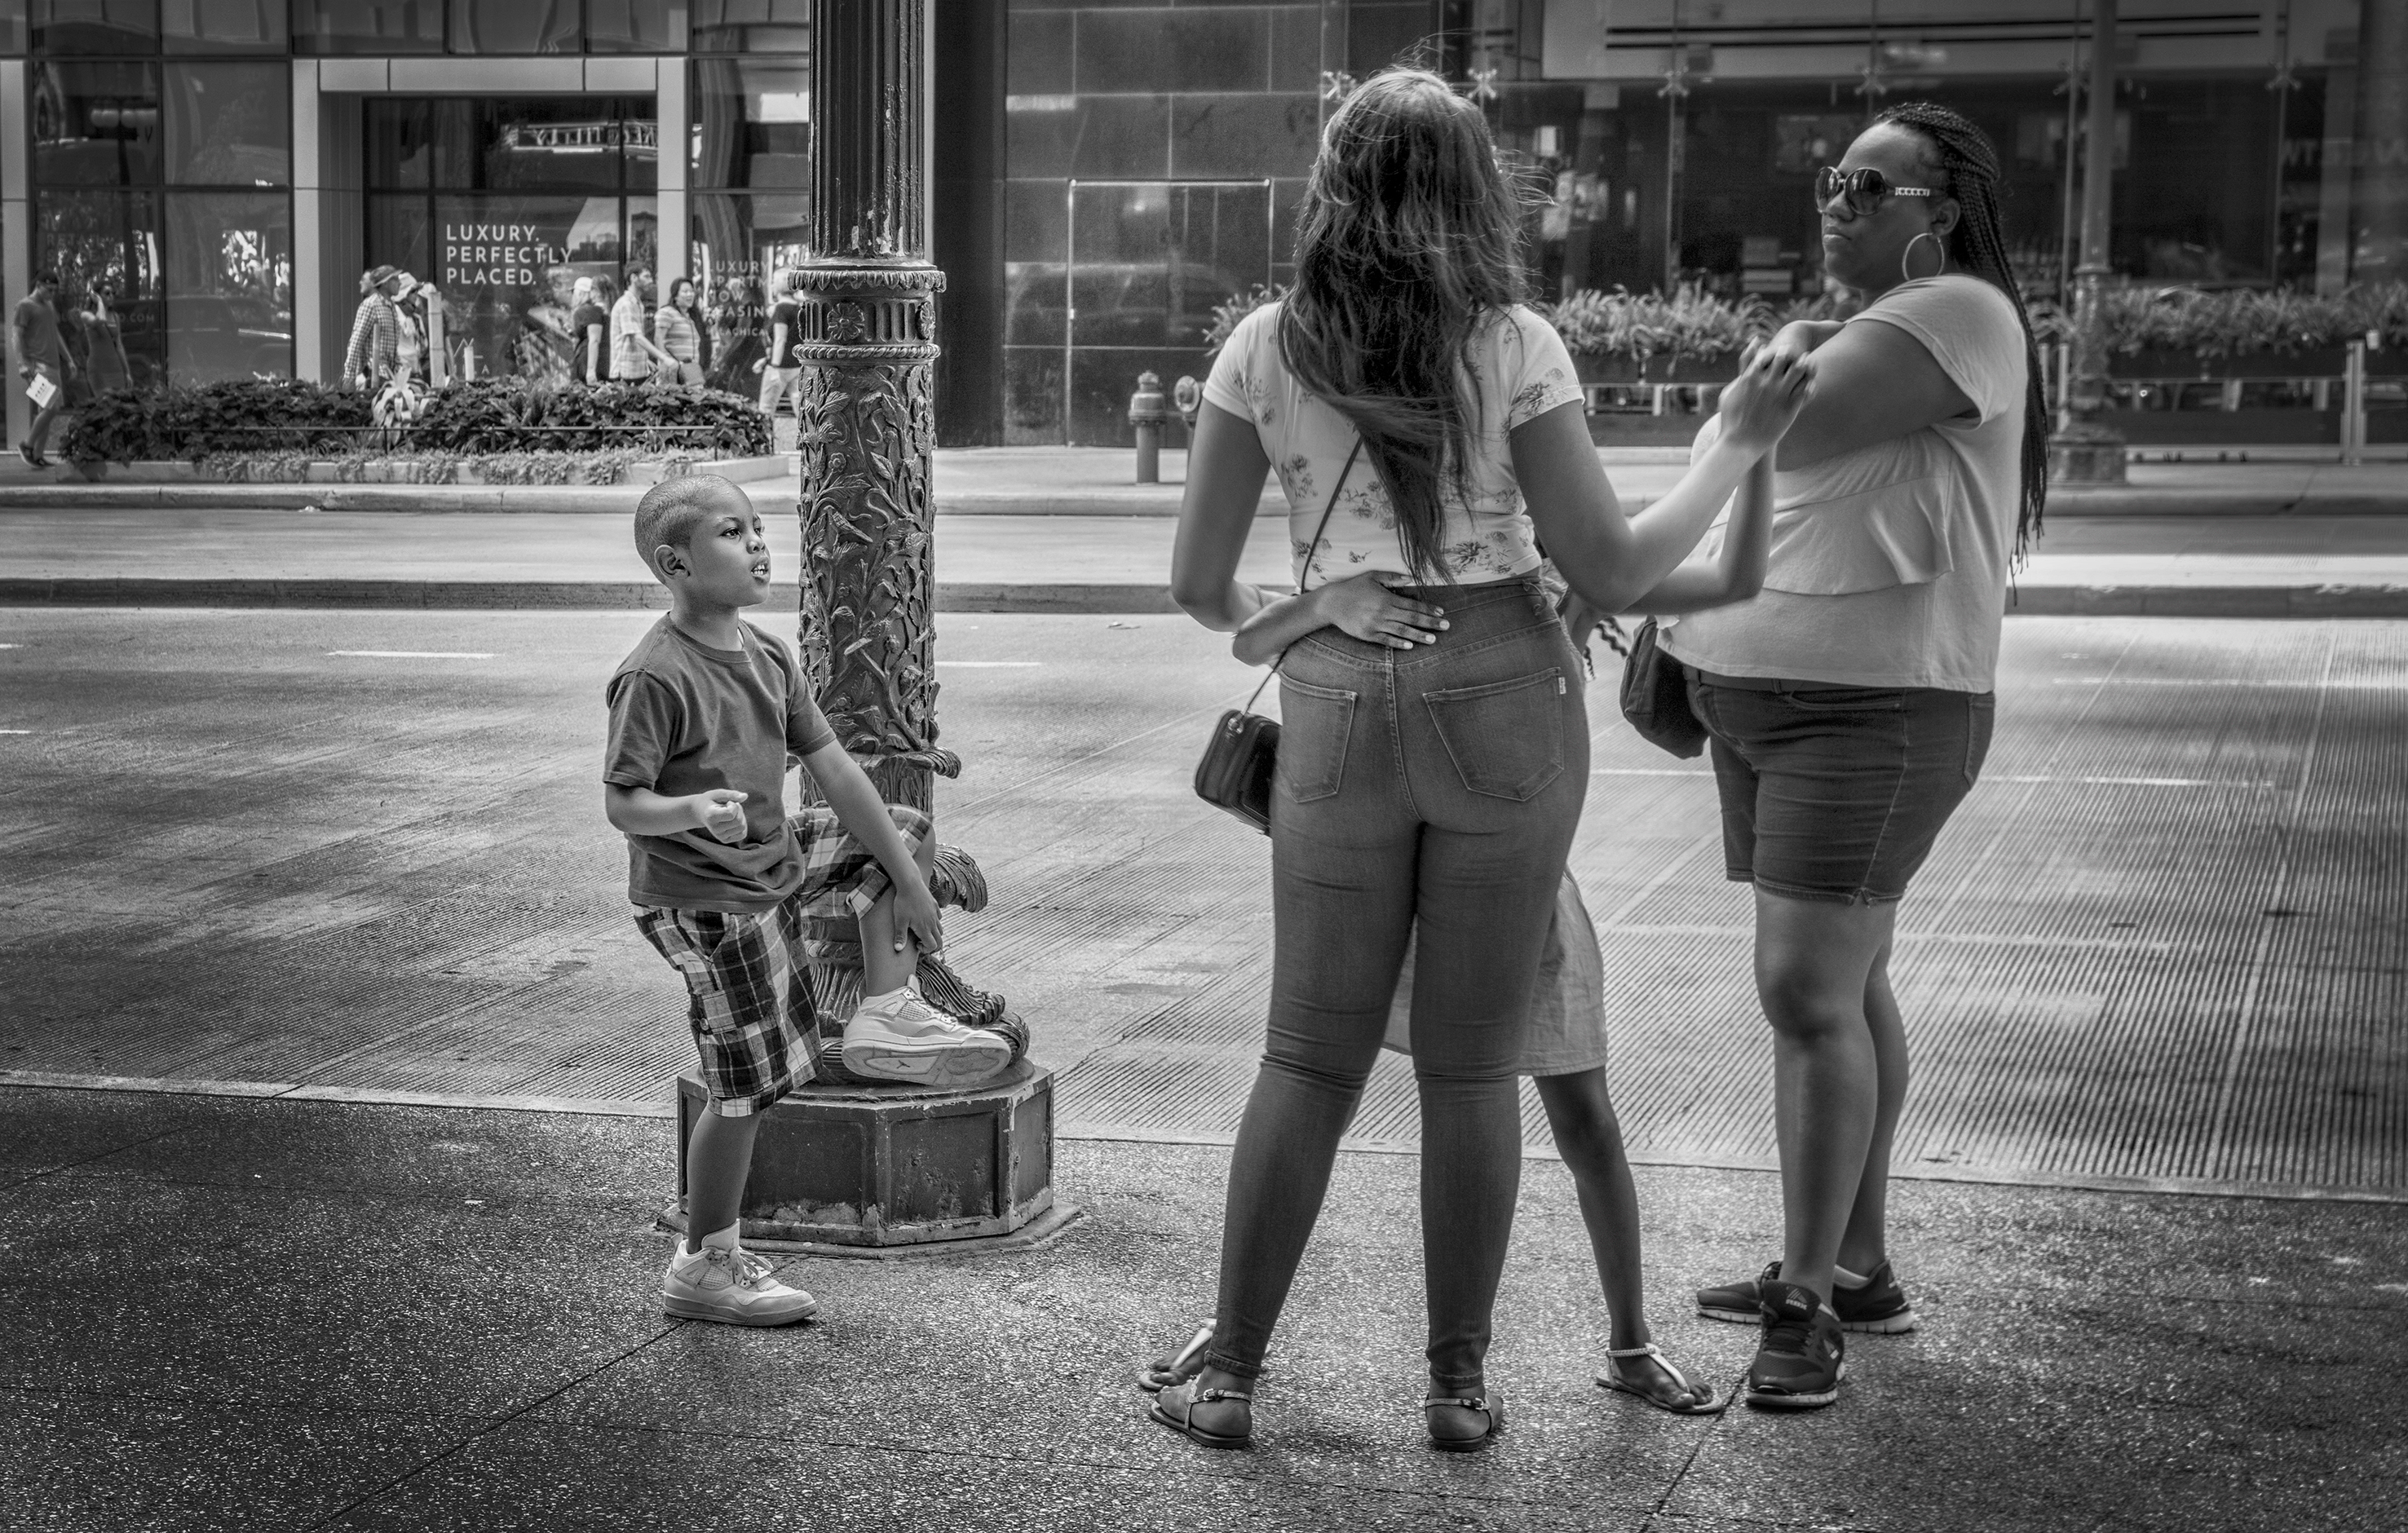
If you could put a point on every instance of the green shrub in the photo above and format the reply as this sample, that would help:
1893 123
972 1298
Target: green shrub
2238 322
1689 325
482 420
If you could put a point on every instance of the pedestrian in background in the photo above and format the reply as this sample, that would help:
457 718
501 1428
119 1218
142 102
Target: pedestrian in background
589 331
373 354
1849 703
1434 749
41 364
633 358
781 368
677 330
105 364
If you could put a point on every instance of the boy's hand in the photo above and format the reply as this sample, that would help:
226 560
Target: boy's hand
721 811
915 916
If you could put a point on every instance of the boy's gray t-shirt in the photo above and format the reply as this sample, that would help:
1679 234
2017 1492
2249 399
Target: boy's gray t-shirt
685 719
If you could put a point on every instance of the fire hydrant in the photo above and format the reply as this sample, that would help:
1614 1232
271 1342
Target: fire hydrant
1187 397
1147 412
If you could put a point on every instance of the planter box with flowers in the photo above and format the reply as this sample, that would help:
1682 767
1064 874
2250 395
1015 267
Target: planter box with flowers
495 432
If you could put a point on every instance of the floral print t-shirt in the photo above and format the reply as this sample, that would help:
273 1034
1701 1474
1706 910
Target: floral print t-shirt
1519 371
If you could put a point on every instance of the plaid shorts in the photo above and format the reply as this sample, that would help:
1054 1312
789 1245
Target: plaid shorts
747 982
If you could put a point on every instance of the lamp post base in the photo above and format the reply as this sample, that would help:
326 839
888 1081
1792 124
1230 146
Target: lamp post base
893 1166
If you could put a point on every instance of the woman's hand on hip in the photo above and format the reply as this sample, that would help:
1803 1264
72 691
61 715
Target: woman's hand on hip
1773 385
1366 608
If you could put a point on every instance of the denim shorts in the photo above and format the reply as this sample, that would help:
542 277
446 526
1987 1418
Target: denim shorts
1837 793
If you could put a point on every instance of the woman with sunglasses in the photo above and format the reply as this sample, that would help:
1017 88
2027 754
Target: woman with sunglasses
1850 701
1427 428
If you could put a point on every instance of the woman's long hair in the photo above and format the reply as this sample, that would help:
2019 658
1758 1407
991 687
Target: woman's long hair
1408 240
1964 157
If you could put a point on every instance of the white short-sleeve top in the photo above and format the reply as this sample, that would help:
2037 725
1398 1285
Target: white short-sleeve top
1520 370
1888 566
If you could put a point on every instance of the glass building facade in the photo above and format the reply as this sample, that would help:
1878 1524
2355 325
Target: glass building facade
210 177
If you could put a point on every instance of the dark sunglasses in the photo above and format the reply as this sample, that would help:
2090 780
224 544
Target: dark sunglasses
1864 189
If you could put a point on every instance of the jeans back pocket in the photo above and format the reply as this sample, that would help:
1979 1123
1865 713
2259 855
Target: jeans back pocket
1314 725
1505 737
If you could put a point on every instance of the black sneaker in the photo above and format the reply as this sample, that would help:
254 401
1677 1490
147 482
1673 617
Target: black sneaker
1878 1309
1800 1362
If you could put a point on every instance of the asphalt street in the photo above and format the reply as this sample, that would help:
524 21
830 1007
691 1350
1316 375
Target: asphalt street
274 877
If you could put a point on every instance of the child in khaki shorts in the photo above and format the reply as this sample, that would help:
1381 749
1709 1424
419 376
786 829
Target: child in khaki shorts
704 713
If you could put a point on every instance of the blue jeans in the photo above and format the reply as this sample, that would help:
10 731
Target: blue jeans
1442 782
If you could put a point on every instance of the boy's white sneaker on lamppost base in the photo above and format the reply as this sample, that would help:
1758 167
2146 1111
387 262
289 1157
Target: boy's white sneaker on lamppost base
724 1282
899 1037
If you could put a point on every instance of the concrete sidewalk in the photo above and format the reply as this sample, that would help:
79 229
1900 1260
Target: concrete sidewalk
308 1314
2197 565
1099 481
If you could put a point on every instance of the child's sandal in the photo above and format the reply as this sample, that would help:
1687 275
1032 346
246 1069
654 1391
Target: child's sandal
1162 1372
1612 1378
1491 1405
1175 1407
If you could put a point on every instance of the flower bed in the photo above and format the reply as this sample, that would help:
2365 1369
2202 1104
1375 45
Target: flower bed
505 423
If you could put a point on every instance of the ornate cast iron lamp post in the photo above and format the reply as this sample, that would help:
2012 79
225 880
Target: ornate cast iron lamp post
867 424
2085 448
845 1161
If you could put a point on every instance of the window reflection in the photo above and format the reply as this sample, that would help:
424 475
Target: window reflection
517 26
95 124
367 27
108 243
752 122
229 286
742 242
634 26
752 26
96 26
229 124
224 26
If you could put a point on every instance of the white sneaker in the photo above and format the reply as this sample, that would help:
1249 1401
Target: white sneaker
731 1285
902 1037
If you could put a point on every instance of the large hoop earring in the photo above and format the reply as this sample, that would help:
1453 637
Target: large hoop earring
1905 255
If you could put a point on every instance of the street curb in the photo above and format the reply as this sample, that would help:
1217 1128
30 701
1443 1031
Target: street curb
1092 597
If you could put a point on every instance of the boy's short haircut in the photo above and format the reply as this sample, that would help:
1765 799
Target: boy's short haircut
669 509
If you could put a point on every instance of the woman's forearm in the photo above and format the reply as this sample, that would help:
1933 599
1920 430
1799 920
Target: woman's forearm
1665 532
1279 622
1736 573
1226 611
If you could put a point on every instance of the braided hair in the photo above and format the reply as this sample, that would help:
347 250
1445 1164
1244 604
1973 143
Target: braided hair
1962 154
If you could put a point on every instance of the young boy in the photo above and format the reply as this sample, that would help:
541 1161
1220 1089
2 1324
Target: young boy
704 713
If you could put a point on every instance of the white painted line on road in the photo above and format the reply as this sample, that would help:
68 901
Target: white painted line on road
1651 771
11 646
15 731
412 654
2136 781
993 665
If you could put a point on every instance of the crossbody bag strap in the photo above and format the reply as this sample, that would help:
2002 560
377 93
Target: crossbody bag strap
1330 506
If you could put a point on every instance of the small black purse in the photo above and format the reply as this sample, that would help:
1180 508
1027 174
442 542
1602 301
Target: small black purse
1240 759
1656 697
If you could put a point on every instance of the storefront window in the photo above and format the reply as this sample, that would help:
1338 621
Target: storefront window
108 243
229 124
742 241
367 27
95 124
224 26
752 122
634 26
752 26
229 285
12 29
96 26
505 265
517 26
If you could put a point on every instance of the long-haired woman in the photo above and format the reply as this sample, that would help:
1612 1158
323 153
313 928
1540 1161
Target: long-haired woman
1434 753
1850 702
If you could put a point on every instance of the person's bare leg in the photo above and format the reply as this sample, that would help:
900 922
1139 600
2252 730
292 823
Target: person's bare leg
1814 959
1588 1135
885 965
1866 1244
718 1161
